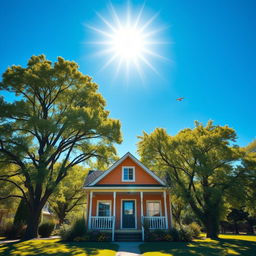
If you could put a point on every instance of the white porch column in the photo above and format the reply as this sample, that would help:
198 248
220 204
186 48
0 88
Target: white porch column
141 213
114 216
171 222
165 210
90 209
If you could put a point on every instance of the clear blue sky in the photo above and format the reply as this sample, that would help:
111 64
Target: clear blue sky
212 60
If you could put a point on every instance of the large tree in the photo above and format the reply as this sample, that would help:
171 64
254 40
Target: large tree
57 120
200 162
69 195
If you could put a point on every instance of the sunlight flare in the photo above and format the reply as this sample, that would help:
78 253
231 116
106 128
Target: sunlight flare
130 42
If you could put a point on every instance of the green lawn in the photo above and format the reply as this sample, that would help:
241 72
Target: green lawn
56 248
227 245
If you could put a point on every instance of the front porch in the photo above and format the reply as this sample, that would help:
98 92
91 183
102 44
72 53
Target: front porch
133 211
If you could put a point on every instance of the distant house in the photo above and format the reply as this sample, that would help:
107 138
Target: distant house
127 197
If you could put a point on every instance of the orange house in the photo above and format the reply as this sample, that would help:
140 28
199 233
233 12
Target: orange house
126 197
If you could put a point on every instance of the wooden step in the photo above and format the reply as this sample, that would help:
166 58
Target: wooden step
128 237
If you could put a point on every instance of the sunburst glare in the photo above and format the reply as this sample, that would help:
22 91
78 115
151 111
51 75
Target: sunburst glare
128 41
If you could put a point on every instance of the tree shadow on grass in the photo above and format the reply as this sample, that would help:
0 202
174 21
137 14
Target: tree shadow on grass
56 248
221 247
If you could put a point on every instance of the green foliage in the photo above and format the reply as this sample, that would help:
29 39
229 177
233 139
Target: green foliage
251 147
78 233
58 121
200 162
68 198
78 229
175 235
195 229
46 229
237 215
14 231
183 234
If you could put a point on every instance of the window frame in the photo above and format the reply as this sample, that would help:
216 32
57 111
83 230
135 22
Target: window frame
129 167
154 201
104 201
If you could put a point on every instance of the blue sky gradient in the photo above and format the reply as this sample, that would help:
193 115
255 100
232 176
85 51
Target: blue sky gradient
211 60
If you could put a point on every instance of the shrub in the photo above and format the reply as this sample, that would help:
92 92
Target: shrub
46 229
195 229
175 234
185 234
14 231
76 230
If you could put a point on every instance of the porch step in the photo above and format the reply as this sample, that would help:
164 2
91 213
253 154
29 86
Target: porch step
128 237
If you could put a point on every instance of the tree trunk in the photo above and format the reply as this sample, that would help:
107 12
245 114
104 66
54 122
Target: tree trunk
236 228
33 224
212 226
250 228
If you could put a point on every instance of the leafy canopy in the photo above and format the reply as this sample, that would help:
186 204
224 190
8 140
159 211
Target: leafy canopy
199 161
58 120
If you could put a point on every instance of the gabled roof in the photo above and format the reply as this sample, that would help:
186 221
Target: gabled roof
94 177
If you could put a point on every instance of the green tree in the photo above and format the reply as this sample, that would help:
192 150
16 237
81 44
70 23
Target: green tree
235 216
69 195
57 121
245 197
200 162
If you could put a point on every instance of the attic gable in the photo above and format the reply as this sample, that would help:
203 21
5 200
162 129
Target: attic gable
113 176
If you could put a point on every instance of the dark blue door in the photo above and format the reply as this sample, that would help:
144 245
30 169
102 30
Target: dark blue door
128 214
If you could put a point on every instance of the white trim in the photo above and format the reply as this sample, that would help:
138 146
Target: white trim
165 209
114 216
126 188
170 204
128 154
104 201
133 172
135 212
90 211
141 214
153 201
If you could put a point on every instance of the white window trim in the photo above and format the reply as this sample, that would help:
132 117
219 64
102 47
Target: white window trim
132 167
135 212
104 201
154 201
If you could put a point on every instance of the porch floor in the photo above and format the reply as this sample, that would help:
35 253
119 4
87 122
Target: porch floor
128 231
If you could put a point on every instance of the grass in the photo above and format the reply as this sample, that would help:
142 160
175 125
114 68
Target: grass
56 248
243 245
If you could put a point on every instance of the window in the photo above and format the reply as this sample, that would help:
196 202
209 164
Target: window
104 208
153 208
128 174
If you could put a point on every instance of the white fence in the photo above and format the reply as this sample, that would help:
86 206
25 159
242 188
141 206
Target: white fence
154 222
98 222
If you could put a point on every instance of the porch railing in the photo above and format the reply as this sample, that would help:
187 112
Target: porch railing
154 222
100 222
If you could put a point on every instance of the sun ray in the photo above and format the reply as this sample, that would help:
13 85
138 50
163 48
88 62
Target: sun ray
148 64
108 62
115 16
149 22
128 41
102 32
152 53
139 16
106 22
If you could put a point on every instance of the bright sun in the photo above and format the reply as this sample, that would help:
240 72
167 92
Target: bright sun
128 42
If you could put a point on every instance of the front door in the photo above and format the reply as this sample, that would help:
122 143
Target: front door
128 213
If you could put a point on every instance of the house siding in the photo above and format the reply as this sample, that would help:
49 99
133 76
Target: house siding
115 176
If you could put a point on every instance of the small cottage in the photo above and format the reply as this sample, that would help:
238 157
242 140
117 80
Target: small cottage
125 198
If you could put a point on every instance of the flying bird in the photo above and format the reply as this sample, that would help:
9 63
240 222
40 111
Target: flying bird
180 99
